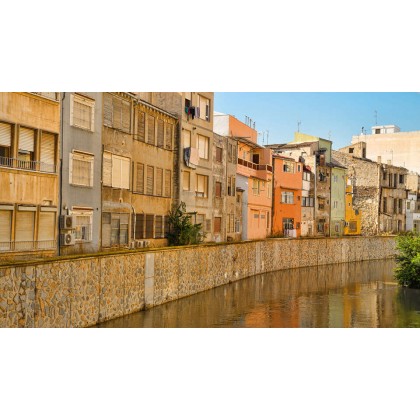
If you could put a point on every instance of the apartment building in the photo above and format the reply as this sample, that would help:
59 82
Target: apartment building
81 155
287 196
194 155
29 174
254 176
137 171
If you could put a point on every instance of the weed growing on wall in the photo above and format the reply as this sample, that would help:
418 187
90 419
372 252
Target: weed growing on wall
408 259
182 231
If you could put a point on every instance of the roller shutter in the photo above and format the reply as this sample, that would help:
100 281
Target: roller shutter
5 135
26 139
47 152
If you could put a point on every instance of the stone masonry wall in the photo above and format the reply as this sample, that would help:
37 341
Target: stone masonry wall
81 292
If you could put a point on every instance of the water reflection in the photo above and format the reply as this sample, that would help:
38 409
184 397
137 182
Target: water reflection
363 294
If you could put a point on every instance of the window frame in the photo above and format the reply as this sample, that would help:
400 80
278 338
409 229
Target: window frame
82 100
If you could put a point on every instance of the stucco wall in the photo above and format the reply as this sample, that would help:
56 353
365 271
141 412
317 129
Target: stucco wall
81 292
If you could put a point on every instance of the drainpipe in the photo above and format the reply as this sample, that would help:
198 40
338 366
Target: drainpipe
60 172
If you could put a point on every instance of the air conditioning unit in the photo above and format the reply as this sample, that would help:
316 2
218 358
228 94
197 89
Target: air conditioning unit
67 222
139 244
68 238
132 244
146 244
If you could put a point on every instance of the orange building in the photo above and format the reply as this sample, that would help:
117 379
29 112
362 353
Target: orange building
254 176
287 193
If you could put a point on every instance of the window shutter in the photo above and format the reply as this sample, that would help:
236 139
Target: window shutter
46 227
5 134
187 138
140 178
141 126
116 171
126 116
150 129
5 228
167 183
159 181
106 229
26 139
140 226
25 223
47 152
116 113
107 110
107 169
150 170
168 138
125 173
160 133
158 226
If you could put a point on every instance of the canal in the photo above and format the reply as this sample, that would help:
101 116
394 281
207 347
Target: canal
362 294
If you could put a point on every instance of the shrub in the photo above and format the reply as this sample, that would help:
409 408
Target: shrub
181 229
408 259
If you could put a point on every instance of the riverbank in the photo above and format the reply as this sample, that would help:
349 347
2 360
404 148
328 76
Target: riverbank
83 291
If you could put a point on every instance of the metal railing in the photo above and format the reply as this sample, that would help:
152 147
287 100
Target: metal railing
27 245
255 166
28 165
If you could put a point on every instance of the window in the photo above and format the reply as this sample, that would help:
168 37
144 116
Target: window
167 183
203 147
335 204
384 204
141 126
287 224
187 99
269 188
81 169
307 201
230 152
306 176
321 225
322 177
321 204
117 113
351 149
150 180
82 112
25 227
217 224
47 153
26 148
120 172
186 137
335 178
160 133
231 186
353 226
298 167
149 225
395 205
168 135
159 181
83 223
401 179
140 178
5 144
159 227
395 179
5 229
150 129
287 197
400 206
203 108
202 186
119 229
185 181
408 205
219 154
255 187
289 167
218 189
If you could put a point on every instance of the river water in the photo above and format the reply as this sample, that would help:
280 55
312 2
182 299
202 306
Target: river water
362 294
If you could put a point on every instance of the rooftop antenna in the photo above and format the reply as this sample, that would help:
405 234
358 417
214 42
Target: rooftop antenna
298 123
329 135
376 117
267 136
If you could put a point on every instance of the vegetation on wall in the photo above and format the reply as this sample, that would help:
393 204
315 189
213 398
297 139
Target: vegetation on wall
408 259
182 231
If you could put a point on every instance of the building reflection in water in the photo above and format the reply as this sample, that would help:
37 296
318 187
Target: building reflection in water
363 294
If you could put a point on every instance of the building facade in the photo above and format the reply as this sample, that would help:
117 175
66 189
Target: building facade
81 174
287 196
29 174
352 215
338 199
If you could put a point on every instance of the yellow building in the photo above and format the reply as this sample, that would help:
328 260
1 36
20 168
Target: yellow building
353 217
29 183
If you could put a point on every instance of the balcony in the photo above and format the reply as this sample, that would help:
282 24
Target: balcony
27 246
254 169
255 166
27 165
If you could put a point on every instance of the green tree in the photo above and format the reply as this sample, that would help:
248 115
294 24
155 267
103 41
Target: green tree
182 231
408 259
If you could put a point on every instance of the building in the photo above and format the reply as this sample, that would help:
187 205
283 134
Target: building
81 173
352 215
391 146
194 155
137 171
379 193
315 154
254 176
287 196
338 198
29 174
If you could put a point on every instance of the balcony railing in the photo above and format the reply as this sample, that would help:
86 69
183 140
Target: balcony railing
255 166
28 165
27 245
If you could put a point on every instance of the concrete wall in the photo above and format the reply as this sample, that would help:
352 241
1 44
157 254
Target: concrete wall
80 292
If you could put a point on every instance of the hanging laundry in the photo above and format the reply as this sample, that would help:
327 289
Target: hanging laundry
192 111
187 153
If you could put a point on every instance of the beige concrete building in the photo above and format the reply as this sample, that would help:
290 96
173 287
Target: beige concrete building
390 145
29 175
137 175
379 192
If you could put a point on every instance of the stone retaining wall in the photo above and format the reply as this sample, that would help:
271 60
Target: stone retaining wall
81 292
